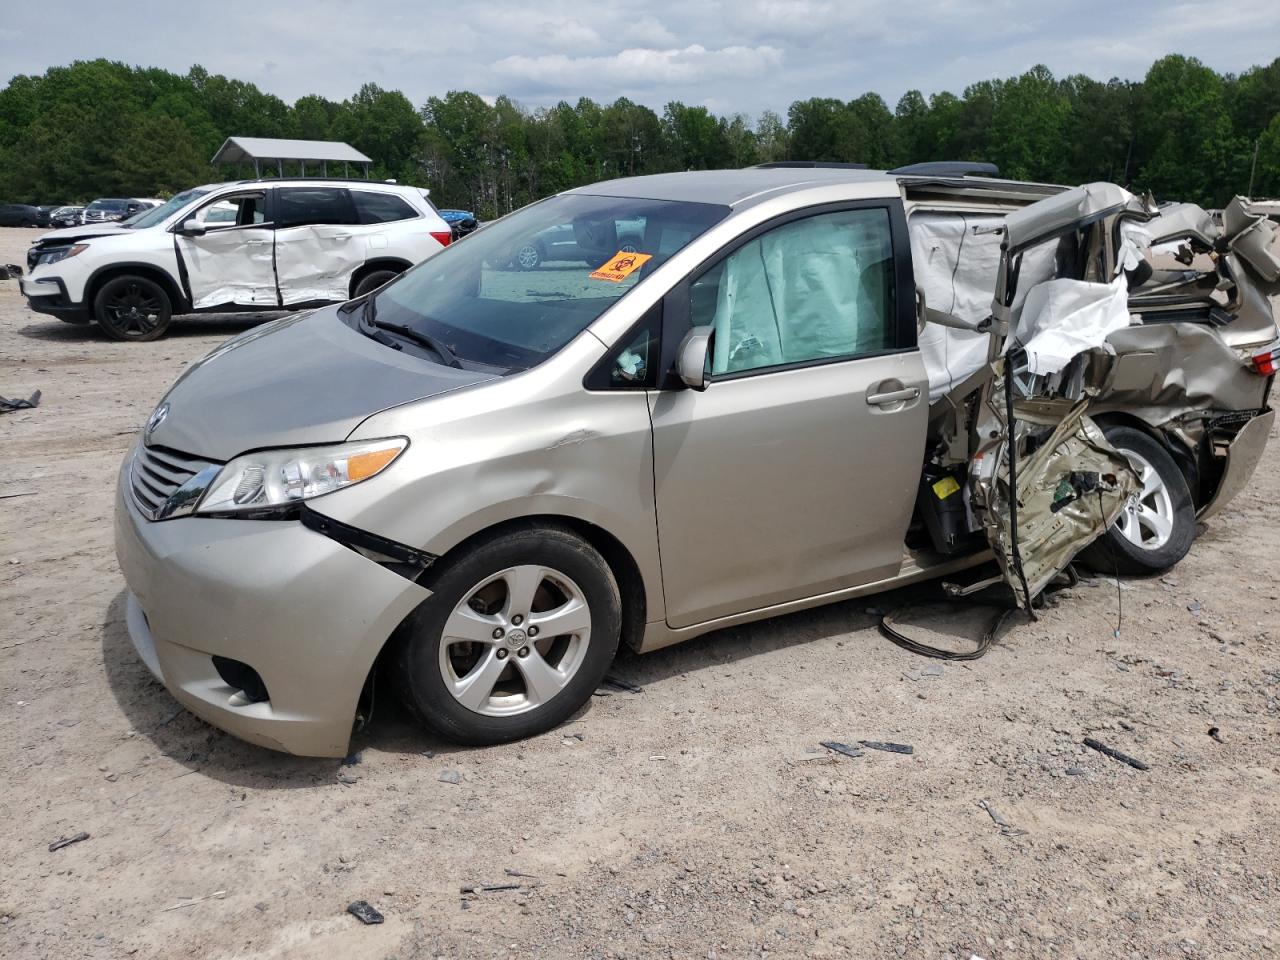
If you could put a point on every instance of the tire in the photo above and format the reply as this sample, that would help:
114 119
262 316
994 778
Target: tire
528 257
1158 525
493 683
629 244
131 307
373 280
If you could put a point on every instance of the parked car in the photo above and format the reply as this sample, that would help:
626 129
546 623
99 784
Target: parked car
112 209
20 215
570 243
260 244
461 222
484 484
66 217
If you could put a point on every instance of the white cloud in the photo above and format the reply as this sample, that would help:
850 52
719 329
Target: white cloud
641 67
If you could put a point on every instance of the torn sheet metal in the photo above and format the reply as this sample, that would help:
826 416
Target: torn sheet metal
1252 237
1069 491
1066 212
1062 318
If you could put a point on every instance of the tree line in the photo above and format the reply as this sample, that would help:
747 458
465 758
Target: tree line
102 128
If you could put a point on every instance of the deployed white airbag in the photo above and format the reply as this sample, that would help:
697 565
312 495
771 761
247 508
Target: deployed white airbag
956 269
1064 317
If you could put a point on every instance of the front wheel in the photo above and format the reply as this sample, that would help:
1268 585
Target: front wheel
1158 523
135 308
516 636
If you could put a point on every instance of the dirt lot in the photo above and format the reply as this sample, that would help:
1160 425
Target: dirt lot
684 821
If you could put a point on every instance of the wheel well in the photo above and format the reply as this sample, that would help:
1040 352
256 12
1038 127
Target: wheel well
623 566
176 300
386 263
1185 459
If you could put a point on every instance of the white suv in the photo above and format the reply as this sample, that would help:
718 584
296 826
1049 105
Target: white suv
249 245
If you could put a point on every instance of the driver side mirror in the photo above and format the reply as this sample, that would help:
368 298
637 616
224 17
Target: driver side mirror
691 360
193 228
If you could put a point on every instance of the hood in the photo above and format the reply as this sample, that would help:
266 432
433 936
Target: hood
86 232
302 380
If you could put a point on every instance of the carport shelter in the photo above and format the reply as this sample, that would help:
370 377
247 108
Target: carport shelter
267 150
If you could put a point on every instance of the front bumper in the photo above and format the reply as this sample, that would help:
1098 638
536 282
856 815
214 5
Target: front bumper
49 295
308 614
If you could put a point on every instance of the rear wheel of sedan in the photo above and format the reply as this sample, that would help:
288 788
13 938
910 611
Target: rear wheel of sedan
528 256
1158 523
373 281
131 307
515 637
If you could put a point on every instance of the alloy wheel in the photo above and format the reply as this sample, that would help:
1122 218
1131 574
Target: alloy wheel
1147 518
133 310
515 640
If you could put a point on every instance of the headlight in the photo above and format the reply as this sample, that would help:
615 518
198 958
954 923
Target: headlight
63 253
276 478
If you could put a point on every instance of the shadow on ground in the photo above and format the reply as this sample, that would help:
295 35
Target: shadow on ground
196 325
191 742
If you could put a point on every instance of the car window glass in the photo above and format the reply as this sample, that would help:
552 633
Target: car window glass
807 290
525 285
241 211
302 206
381 207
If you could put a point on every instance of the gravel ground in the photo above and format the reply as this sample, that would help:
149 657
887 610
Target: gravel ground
698 818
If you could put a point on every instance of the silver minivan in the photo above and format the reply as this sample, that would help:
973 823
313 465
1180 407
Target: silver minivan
787 389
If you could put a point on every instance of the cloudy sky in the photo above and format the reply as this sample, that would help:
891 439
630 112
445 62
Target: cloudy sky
746 56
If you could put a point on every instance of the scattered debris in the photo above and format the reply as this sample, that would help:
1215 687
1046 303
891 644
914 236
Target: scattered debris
348 779
611 681
450 776
1114 754
658 756
363 912
1216 734
490 887
516 873
352 759
21 493
218 895
1194 606
1006 828
844 748
1077 772
67 841
888 747
7 405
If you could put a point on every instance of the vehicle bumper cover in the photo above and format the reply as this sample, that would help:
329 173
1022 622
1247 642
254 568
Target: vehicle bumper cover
49 295
308 614
1242 459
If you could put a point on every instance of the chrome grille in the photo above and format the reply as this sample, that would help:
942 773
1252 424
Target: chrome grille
157 473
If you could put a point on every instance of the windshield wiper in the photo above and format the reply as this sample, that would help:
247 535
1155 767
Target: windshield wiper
366 325
434 344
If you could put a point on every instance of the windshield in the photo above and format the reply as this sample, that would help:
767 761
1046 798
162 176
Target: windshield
516 291
149 218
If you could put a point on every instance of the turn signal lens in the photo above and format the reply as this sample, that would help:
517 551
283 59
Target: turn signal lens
365 465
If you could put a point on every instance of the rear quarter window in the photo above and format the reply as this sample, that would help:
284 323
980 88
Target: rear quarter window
381 207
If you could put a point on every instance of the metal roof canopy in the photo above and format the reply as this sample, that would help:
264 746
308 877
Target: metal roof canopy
257 150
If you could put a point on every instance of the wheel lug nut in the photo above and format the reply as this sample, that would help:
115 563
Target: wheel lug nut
533 631
497 633
517 619
502 654
522 652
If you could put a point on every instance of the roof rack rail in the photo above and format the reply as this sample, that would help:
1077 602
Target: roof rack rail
949 168
809 164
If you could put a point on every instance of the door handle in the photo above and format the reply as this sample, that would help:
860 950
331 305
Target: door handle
892 396
342 236
256 242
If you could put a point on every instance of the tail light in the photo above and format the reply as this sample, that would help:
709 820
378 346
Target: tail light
443 236
1265 363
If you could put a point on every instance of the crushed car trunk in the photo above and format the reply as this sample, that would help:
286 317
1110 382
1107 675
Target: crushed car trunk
1078 329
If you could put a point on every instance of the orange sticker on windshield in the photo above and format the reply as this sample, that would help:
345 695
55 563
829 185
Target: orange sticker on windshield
620 266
